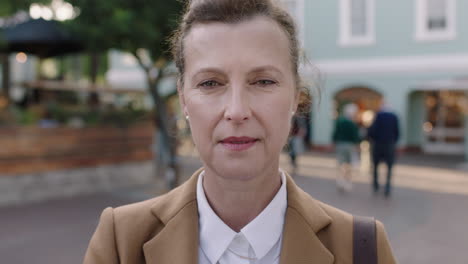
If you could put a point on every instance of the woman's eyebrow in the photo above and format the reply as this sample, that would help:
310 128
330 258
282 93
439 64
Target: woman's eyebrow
266 68
209 69
258 69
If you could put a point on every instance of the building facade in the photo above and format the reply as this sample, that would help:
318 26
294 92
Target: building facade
410 54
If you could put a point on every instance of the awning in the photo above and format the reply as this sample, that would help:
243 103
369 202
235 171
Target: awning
459 84
40 37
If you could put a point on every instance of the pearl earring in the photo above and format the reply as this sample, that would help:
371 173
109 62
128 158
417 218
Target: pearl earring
187 117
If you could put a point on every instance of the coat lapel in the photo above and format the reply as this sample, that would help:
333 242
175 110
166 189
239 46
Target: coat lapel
177 241
304 218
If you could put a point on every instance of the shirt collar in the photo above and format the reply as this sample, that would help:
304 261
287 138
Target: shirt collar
265 230
215 235
262 233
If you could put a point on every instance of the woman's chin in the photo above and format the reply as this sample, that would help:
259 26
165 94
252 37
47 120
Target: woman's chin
240 173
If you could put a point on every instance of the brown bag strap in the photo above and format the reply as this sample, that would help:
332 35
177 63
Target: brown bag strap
364 240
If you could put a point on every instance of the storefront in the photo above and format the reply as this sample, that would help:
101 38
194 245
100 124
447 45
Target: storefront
445 110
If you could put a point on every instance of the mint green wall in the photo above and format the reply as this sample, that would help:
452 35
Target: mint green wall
395 32
416 118
395 37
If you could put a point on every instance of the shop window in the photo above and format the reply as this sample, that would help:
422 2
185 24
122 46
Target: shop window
445 127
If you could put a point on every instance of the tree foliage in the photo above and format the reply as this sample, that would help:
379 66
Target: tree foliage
127 25
142 28
10 7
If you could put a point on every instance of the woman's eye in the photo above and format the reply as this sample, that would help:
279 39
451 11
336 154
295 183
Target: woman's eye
265 82
210 83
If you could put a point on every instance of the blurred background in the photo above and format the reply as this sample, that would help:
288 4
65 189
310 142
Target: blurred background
89 117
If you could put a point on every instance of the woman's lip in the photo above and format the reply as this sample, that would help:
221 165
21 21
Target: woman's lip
239 146
238 140
238 143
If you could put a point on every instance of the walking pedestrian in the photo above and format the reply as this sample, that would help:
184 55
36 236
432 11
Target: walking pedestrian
296 140
239 88
346 139
383 135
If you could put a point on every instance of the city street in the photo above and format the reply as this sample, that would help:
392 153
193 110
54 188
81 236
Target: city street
107 103
425 225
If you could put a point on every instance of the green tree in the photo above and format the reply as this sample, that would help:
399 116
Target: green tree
142 28
96 28
9 7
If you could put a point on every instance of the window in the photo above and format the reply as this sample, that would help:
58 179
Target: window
435 20
296 9
357 22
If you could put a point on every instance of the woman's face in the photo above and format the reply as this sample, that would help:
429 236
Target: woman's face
239 94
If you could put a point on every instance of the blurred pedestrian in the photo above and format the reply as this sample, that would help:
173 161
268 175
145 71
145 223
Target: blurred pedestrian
383 135
346 139
164 161
296 140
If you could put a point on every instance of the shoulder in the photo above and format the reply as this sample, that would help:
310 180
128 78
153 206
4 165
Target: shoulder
135 215
338 216
131 215
161 208
122 231
131 225
340 120
339 235
149 214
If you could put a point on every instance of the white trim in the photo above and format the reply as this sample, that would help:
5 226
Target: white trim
424 34
346 38
444 148
404 64
446 85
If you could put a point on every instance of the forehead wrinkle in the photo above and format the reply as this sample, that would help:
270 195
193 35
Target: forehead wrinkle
266 68
206 42
209 70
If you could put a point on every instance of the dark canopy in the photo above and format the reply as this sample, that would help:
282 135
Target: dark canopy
40 37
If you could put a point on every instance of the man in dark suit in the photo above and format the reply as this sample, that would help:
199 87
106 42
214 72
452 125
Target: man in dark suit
384 134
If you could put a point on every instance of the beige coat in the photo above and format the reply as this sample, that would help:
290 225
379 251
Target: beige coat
164 230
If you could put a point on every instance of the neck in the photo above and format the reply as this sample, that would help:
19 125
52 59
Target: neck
238 202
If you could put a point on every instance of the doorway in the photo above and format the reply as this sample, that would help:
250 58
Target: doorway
444 127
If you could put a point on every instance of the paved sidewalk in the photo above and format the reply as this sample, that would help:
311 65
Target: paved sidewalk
424 227
421 172
425 224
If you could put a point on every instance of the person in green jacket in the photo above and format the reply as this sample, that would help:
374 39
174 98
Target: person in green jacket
346 140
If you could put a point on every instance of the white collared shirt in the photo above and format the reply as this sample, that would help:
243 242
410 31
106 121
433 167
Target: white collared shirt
259 241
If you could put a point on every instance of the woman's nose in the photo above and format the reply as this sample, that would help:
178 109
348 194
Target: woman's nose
238 107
